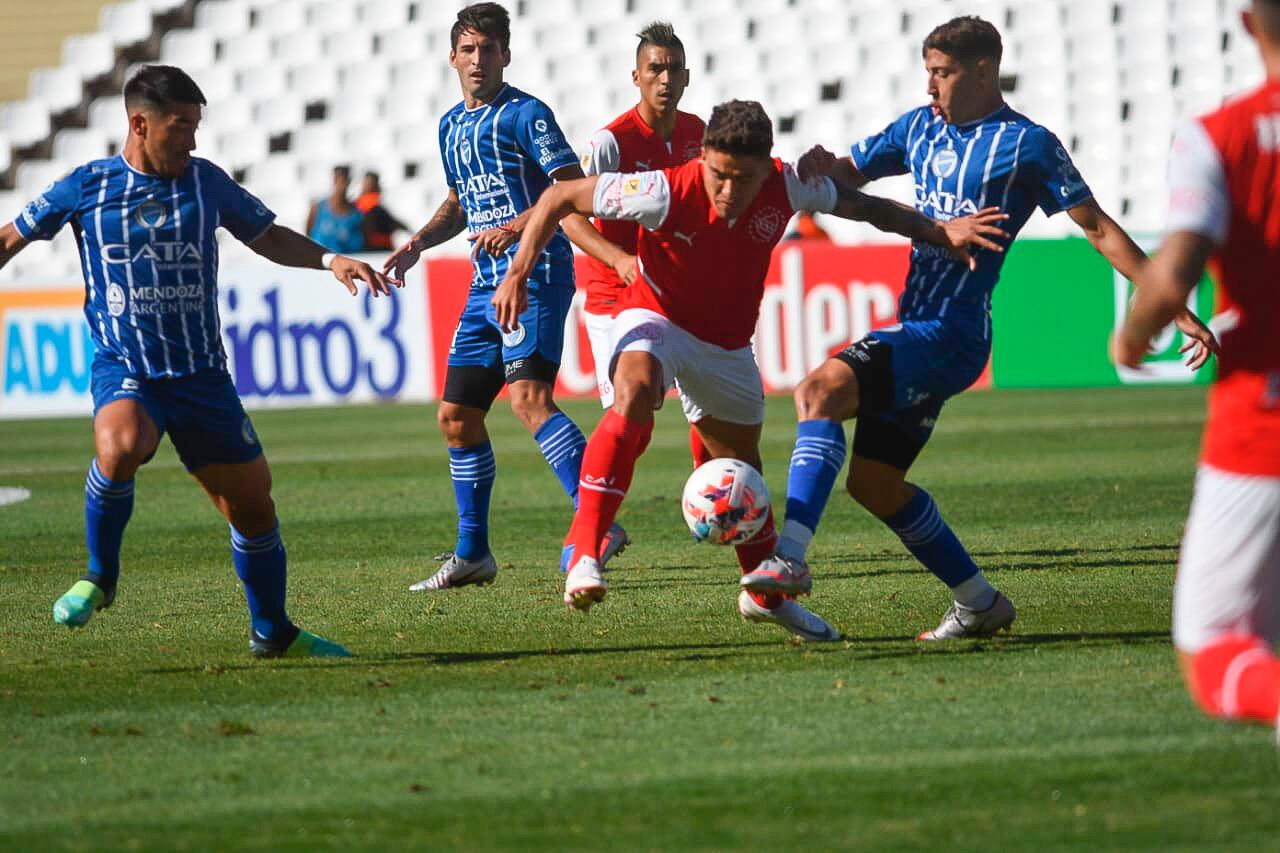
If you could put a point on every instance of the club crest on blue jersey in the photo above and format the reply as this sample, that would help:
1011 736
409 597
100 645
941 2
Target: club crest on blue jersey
151 214
945 162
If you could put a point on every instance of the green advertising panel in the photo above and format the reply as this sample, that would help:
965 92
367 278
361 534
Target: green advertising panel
1053 313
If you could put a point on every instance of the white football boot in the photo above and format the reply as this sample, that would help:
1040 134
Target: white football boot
959 622
779 574
584 584
789 615
459 572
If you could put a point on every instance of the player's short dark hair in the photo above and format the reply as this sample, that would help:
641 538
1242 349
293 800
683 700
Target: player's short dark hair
488 19
966 39
741 128
659 34
373 176
160 88
342 169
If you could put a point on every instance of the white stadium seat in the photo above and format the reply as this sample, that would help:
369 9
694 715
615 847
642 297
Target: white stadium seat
90 55
77 145
60 88
190 49
223 18
25 122
126 23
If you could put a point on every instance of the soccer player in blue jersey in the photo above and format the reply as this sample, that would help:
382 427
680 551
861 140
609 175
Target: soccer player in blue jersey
501 148
145 223
966 150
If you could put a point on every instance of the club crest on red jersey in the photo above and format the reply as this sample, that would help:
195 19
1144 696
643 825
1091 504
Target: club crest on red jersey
765 226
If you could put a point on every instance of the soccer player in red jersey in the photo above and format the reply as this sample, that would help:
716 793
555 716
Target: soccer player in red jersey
710 226
654 134
1224 212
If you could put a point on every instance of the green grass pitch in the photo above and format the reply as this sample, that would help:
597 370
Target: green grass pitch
482 719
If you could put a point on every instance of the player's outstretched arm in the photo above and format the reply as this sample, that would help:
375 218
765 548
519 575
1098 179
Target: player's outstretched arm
447 223
558 201
1162 288
11 243
1115 244
959 235
580 230
289 248
819 162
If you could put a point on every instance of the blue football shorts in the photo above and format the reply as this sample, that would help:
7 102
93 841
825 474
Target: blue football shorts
201 413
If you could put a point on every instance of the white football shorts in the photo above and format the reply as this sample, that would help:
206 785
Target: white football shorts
1229 569
712 381
598 329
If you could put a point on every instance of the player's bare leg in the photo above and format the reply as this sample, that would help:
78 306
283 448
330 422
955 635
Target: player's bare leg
124 437
242 493
607 468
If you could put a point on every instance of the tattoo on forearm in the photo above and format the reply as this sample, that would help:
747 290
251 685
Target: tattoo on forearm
447 222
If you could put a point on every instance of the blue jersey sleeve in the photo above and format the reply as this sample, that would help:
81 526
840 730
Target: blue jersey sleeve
240 211
45 215
886 153
1061 186
445 154
541 138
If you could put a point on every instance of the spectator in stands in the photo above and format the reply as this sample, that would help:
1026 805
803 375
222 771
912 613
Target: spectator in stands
379 224
334 222
805 227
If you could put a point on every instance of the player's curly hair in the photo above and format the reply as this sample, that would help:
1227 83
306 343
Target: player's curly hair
160 87
659 34
966 39
740 127
488 19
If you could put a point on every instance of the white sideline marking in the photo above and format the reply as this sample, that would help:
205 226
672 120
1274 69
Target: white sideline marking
13 495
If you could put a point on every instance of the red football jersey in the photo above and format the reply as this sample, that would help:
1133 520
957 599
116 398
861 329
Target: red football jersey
705 273
1225 171
627 144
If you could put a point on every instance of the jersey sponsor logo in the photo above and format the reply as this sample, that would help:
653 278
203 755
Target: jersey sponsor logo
129 385
1071 180
35 208
115 299
150 214
166 255
631 186
540 125
942 204
944 163
170 299
464 150
687 238
491 216
514 337
483 186
766 225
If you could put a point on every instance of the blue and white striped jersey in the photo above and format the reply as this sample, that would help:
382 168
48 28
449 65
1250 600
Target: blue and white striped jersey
499 157
150 257
1004 160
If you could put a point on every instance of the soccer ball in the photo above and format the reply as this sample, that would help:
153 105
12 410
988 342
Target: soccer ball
725 502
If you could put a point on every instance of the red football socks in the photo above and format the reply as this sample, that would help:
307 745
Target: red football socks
697 449
1236 677
753 552
608 464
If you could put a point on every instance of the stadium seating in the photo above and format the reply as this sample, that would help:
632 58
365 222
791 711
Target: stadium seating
296 86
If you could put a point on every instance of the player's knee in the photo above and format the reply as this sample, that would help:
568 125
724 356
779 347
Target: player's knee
821 395
122 451
635 397
879 497
453 422
252 517
532 405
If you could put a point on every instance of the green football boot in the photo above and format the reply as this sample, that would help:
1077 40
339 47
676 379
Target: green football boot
304 645
76 606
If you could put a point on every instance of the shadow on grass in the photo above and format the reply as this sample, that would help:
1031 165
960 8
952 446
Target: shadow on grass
861 648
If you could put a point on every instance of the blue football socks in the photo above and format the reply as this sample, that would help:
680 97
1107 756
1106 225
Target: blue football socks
107 507
815 463
562 445
920 527
260 564
473 471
